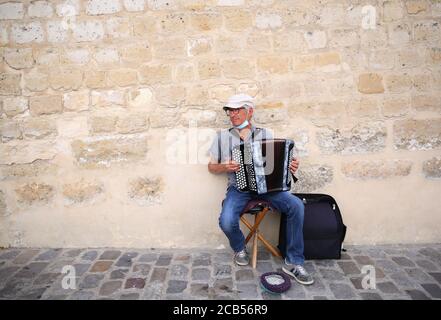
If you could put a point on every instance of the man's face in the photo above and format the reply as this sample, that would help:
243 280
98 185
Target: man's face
238 116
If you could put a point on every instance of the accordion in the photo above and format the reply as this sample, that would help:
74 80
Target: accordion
264 165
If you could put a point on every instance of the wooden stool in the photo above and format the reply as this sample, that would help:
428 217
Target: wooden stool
258 208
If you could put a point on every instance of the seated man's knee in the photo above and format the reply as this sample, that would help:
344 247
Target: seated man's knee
226 224
296 206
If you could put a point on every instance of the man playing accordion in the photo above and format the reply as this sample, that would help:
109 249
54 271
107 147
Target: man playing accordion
240 110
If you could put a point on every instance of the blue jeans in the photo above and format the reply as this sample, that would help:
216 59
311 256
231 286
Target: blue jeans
284 202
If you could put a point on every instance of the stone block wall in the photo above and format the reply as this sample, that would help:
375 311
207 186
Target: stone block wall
107 109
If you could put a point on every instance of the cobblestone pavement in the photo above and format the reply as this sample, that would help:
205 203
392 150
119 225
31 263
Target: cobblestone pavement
402 272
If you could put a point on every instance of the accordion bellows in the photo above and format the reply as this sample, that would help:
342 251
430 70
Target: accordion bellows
264 165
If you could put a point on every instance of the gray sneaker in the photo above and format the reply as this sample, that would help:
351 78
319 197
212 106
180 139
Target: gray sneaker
299 273
241 258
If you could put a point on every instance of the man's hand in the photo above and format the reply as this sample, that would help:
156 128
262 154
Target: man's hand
294 165
231 166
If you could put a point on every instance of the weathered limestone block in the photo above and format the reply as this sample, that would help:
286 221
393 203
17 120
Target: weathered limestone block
11 11
274 64
203 118
46 56
9 130
400 33
95 79
10 84
118 28
146 190
14 106
209 68
104 152
370 83
19 58
280 89
257 42
173 22
392 10
123 77
163 4
22 33
362 138
136 54
316 39
33 193
313 177
164 118
325 61
376 169
206 21
157 73
3 207
270 112
171 47
238 20
144 25
184 72
433 55
57 31
40 105
171 96
98 7
237 68
373 38
197 96
76 100
40 9
72 126
39 128
364 107
398 82
140 98
26 152
37 79
108 56
134 5
82 191
425 102
344 38
4 37
198 46
268 20
416 6
103 124
229 45
395 106
88 31
66 78
32 169
221 92
427 31
75 56
108 97
417 134
230 3
132 123
432 168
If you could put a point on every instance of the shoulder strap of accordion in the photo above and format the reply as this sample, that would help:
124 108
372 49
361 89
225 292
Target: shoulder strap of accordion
219 147
258 129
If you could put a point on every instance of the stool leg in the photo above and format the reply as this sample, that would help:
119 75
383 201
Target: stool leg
270 247
255 242
258 219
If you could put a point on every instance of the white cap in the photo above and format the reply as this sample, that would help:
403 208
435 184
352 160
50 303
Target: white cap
238 101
